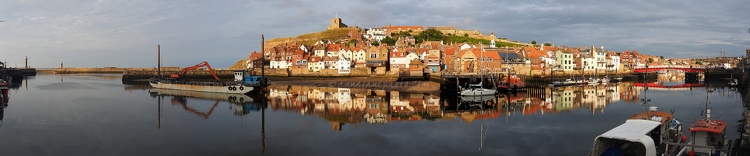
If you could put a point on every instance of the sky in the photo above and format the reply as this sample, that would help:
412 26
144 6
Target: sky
125 33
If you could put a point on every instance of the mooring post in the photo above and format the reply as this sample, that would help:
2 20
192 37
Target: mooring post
263 61
158 60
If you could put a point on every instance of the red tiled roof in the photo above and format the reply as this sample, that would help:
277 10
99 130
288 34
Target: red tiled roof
450 51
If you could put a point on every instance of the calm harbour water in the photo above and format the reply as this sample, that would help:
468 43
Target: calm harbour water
98 115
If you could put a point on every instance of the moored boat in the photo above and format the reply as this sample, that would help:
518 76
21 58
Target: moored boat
476 90
242 83
643 134
708 136
649 133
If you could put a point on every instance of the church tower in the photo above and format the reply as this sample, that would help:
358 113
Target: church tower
336 23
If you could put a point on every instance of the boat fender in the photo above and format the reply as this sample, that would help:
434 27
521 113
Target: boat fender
242 99
242 88
230 87
234 88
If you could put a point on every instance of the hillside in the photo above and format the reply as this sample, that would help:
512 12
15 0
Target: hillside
239 65
311 38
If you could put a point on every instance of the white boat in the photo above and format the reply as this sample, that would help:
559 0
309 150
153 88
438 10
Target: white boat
643 134
733 82
476 90
593 81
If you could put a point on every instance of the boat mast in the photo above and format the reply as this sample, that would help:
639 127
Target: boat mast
707 110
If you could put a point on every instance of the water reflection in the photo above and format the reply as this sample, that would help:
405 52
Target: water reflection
352 106
242 104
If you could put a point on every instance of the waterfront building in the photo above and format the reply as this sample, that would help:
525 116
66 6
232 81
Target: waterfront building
315 64
344 65
377 56
330 62
299 59
398 59
358 55
433 63
564 60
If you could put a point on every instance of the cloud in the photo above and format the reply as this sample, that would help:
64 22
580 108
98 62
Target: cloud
84 32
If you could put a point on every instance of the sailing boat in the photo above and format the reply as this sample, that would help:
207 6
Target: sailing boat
478 89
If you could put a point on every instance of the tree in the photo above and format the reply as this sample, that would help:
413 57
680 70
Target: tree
661 57
466 35
388 41
533 42
430 35
375 43
352 42
547 44
650 60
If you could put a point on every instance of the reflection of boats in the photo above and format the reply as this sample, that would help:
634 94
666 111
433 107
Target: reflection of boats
647 134
243 103
232 98
241 84
478 98
733 82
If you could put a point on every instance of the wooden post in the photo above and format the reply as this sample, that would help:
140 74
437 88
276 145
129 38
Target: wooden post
158 60
262 60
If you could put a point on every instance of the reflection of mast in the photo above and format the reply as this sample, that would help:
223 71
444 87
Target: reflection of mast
482 135
263 130
158 125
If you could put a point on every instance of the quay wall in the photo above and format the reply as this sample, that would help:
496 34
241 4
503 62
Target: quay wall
89 70
145 73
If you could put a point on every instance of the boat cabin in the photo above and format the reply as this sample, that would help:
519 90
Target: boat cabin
708 133
631 138
642 134
255 80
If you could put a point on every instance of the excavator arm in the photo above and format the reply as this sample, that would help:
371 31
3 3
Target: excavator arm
199 65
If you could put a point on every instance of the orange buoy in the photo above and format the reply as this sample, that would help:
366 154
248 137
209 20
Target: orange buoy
684 138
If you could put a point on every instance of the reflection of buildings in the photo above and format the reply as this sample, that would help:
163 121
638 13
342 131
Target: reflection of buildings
342 106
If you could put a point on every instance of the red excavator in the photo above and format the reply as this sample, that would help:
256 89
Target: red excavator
199 65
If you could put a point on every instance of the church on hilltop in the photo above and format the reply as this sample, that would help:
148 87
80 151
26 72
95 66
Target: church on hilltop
336 23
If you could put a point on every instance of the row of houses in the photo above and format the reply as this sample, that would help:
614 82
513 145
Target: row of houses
437 57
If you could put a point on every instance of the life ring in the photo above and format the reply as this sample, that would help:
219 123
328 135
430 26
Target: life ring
242 88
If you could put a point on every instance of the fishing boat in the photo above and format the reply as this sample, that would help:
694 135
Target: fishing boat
512 84
647 133
708 136
242 83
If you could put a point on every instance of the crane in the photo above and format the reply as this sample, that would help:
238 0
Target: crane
199 65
